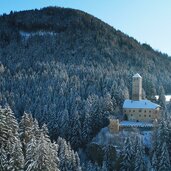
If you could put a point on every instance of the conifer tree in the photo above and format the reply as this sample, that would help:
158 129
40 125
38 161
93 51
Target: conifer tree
104 166
154 162
126 156
140 164
164 162
15 156
3 159
26 130
41 157
68 159
3 127
162 99
86 130
11 145
30 155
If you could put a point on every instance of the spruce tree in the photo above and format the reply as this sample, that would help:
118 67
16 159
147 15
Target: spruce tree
164 163
126 156
140 164
154 162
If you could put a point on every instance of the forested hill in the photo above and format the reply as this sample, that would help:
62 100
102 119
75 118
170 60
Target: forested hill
80 39
70 70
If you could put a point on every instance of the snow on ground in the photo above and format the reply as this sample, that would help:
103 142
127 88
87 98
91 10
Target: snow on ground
117 139
147 138
26 35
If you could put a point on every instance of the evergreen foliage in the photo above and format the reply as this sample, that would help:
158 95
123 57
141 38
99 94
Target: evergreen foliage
26 147
71 70
63 64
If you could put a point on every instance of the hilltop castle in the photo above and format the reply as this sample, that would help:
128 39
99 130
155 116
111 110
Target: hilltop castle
138 109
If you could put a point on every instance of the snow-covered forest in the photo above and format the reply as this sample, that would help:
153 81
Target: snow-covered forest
70 71
72 80
25 146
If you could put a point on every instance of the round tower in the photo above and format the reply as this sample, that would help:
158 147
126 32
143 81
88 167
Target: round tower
136 87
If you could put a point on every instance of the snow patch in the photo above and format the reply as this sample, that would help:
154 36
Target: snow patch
27 35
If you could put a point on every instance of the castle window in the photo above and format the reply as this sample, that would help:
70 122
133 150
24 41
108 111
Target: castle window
129 110
149 115
140 115
150 111
144 115
139 110
131 115
145 111
133 110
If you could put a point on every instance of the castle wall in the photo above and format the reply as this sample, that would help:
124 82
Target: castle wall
142 114
114 125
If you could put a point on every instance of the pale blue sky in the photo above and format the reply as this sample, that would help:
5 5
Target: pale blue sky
147 21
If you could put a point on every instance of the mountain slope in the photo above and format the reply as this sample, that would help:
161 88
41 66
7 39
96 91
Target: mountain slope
68 69
82 38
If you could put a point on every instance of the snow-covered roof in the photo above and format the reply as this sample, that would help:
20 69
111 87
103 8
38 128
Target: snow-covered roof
167 97
140 104
135 124
137 75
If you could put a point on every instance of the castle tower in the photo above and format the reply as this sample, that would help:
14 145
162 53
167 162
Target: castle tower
137 87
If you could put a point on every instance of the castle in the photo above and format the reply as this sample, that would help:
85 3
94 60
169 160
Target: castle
140 113
138 109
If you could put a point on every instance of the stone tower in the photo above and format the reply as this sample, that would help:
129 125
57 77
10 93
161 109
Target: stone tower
137 87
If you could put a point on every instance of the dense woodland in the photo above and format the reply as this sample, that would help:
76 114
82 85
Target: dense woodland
70 71
24 146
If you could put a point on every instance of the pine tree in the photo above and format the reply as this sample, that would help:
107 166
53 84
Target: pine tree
104 166
30 155
3 127
26 130
75 130
36 130
140 164
162 99
164 164
11 121
86 130
15 156
109 156
11 147
42 157
68 159
77 164
162 136
3 159
127 156
107 103
54 155
63 124
154 162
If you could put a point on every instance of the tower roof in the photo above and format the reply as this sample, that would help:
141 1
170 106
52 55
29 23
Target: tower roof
137 76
